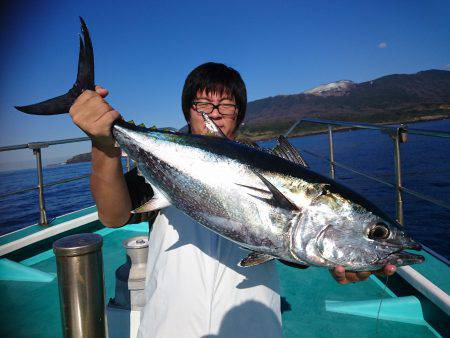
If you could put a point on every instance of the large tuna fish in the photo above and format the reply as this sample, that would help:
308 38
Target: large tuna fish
268 202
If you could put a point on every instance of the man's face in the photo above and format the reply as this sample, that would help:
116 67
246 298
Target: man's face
226 123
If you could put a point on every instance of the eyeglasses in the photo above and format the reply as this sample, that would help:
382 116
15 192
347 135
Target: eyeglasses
224 109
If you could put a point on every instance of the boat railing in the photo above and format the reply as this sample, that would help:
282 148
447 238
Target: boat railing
399 135
37 147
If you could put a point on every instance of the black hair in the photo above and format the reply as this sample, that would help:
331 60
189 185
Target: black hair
215 78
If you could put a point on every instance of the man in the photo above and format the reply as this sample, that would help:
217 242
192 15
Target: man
194 287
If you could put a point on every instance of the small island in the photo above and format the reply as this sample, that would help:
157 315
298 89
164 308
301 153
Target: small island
86 157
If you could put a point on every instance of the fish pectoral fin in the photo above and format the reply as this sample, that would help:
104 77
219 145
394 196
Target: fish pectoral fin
211 127
277 199
157 202
255 258
287 151
256 192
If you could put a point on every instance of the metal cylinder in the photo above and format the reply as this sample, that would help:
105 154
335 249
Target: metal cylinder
130 276
81 291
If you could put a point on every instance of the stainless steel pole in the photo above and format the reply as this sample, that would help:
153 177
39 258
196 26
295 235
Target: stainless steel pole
398 178
81 291
331 145
43 214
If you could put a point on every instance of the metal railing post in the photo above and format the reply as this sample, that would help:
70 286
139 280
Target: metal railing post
40 186
79 265
398 174
331 146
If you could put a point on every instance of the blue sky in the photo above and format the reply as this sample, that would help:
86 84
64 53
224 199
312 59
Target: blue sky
144 50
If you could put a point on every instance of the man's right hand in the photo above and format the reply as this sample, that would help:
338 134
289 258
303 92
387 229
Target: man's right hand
92 114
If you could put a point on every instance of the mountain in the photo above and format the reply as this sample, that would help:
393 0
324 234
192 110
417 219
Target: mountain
388 99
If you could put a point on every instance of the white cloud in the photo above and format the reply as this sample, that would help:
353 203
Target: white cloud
382 45
447 66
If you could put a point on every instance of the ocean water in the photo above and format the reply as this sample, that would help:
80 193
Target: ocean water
425 168
18 211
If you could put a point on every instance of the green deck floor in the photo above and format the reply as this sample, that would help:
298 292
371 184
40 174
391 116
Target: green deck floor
30 309
306 292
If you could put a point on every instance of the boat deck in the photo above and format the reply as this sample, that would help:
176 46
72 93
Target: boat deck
308 293
313 304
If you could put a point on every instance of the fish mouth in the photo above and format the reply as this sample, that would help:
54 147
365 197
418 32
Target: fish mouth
401 257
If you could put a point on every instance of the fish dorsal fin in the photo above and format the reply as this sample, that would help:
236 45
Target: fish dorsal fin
157 202
287 151
277 198
255 258
211 128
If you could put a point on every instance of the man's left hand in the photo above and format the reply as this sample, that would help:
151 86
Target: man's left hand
344 277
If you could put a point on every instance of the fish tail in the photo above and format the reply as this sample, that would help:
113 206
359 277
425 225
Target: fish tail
85 80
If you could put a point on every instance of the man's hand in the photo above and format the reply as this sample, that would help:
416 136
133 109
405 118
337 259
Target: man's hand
344 277
92 114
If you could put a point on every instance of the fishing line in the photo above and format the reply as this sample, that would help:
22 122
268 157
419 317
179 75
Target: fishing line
383 291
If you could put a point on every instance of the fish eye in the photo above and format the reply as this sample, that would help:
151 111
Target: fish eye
379 231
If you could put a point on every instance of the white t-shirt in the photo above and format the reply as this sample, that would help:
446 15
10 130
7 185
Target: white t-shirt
194 287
